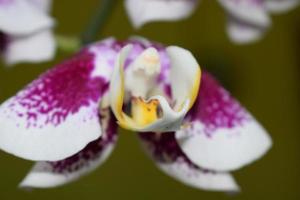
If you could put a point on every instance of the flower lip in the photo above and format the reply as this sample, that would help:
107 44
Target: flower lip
144 112
155 114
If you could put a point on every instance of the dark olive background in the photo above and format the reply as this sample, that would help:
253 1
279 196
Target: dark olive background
264 76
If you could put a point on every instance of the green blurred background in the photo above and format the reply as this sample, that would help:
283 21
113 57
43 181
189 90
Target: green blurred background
264 76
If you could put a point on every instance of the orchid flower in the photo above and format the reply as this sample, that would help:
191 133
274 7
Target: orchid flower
67 119
248 20
25 31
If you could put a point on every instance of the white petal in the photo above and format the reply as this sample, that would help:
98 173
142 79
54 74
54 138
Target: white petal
117 85
20 17
280 6
206 180
144 11
249 11
226 149
34 48
44 5
185 76
243 33
53 174
221 135
169 158
56 115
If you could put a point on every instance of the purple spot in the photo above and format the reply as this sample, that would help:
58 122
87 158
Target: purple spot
215 107
164 148
167 90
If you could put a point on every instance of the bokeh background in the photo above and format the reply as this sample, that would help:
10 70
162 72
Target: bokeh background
264 76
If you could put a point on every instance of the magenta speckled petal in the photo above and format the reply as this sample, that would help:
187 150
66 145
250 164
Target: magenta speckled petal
56 115
221 135
53 174
169 158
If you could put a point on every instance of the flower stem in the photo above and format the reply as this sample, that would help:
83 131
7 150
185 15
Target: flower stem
97 22
69 44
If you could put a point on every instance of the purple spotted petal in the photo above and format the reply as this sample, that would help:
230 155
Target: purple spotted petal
56 115
164 150
53 174
221 135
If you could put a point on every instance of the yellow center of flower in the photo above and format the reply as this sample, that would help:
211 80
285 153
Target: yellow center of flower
143 112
